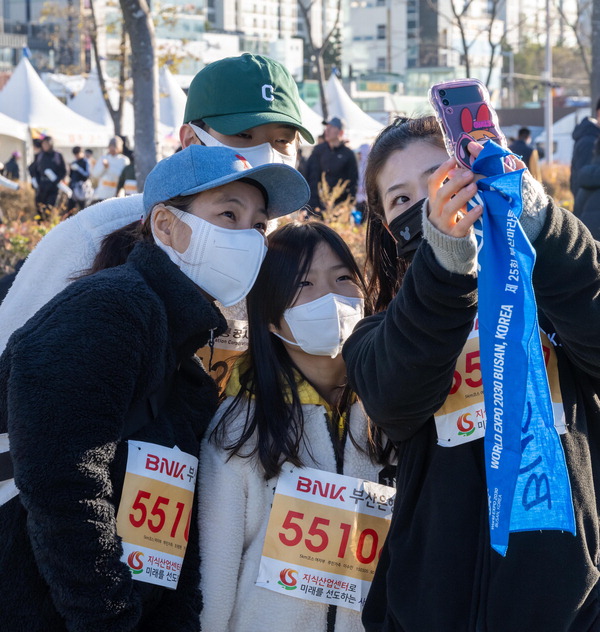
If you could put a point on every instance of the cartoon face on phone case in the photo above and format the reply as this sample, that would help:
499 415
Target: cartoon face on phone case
465 114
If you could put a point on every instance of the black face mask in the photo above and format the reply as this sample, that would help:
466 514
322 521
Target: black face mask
407 230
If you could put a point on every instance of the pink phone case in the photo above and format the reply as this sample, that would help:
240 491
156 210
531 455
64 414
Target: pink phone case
464 112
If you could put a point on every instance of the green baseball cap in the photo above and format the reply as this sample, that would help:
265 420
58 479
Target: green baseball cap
237 93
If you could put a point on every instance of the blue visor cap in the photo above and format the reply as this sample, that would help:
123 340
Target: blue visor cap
198 168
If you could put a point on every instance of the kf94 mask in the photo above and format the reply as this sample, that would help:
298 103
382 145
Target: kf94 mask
258 155
322 326
221 261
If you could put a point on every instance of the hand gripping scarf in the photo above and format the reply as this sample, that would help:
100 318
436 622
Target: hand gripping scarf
527 478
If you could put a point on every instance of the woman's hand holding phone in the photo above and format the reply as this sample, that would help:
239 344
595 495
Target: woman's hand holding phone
450 188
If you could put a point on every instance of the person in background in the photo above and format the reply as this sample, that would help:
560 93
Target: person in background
108 169
127 180
11 169
417 369
37 148
529 154
49 168
80 182
218 111
89 156
587 201
287 404
335 161
301 161
103 382
585 135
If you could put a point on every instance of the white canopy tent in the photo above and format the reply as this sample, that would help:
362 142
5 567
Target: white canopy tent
62 86
172 101
311 120
26 99
360 127
89 102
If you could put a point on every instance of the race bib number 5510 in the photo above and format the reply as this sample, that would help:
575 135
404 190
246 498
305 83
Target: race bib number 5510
324 536
155 510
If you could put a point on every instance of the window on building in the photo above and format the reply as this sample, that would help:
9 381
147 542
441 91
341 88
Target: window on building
381 31
381 65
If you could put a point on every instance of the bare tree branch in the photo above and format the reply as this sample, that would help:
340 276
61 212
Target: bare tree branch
317 51
582 9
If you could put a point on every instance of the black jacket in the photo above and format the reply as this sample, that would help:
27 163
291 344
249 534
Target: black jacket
68 379
585 135
47 188
338 163
437 571
79 175
587 200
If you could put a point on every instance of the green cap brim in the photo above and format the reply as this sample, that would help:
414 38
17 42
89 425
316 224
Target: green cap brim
231 124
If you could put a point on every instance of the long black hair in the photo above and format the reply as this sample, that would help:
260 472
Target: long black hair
385 269
268 377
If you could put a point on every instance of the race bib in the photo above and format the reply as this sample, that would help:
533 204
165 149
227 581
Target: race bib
324 536
225 351
155 510
462 417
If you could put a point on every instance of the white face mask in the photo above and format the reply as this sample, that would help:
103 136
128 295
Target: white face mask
221 261
322 326
263 154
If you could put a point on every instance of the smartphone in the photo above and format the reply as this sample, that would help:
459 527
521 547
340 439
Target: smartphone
464 112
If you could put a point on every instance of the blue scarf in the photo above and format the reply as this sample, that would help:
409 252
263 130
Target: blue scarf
527 478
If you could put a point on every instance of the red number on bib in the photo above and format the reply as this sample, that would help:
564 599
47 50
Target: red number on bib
297 529
314 530
346 528
156 527
473 364
456 382
138 504
367 559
